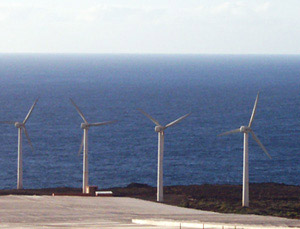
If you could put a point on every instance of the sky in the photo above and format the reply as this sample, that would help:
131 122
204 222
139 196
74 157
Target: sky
150 26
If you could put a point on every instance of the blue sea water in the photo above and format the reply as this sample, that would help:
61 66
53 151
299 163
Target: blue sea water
219 90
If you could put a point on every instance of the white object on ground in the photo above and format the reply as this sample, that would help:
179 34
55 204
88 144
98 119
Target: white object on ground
104 193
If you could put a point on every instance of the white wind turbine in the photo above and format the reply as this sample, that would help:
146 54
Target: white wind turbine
160 130
21 126
84 143
246 130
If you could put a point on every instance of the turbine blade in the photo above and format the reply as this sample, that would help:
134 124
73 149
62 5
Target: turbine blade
29 141
78 110
177 120
230 132
102 123
254 110
260 144
7 122
148 116
30 111
81 146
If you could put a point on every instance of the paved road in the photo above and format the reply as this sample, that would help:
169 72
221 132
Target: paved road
117 212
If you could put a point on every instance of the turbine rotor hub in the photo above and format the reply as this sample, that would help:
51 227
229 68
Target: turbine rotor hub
245 129
84 126
19 124
159 129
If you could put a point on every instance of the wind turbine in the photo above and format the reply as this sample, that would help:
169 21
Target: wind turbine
246 130
160 130
21 126
84 144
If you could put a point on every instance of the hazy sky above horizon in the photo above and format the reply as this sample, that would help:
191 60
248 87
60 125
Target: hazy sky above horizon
150 26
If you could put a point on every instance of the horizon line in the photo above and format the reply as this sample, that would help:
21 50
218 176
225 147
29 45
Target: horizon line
123 53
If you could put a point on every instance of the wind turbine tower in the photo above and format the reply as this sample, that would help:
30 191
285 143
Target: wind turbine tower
160 130
21 127
84 144
246 130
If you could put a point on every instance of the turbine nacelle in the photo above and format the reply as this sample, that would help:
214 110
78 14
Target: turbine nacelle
159 129
245 129
19 124
84 126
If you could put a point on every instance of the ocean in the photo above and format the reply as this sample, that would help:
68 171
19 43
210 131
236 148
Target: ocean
219 90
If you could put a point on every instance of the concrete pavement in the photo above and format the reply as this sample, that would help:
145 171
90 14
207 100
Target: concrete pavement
119 212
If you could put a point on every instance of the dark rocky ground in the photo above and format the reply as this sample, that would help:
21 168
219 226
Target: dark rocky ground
265 198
